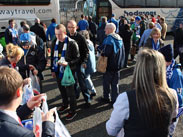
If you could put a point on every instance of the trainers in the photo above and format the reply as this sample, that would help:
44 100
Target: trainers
71 115
62 108
93 95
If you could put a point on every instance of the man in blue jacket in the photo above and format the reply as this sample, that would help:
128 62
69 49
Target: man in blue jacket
50 33
112 48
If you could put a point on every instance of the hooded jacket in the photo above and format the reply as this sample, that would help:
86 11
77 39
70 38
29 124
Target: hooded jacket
113 48
51 31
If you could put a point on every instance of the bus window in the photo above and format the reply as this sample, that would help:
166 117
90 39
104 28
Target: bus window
180 3
134 3
168 3
25 2
120 3
152 3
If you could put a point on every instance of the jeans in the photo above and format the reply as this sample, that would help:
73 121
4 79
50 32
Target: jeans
89 84
68 95
80 78
111 79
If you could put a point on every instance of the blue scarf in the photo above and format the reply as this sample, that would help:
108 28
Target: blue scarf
56 58
155 46
169 70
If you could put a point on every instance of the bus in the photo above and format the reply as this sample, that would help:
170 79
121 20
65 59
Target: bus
172 10
28 10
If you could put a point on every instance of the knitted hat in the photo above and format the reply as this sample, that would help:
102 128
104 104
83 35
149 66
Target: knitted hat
167 52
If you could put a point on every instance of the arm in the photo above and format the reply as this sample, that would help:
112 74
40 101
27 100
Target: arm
41 61
119 114
26 111
48 129
142 40
7 36
85 51
52 54
48 34
75 54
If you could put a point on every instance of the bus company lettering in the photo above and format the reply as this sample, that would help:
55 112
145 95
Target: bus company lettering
138 13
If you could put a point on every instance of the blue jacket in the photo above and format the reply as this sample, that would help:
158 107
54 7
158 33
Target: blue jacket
51 31
91 63
113 48
176 82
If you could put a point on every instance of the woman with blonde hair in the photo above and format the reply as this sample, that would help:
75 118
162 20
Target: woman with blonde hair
154 42
150 107
13 54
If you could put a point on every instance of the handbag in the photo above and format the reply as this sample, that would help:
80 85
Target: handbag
133 50
68 78
102 64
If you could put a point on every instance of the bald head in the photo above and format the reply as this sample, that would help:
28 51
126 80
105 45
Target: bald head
72 27
72 22
37 20
110 28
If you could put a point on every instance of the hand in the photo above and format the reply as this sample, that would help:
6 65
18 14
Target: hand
35 71
31 67
35 101
84 65
26 81
49 115
53 74
64 63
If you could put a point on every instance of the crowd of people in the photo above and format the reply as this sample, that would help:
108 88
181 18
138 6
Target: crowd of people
150 108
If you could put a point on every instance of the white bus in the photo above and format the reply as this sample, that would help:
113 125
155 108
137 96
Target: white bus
172 10
28 10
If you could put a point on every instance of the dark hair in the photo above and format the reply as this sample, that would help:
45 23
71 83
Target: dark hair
53 20
11 20
26 27
127 26
22 23
82 16
10 81
90 18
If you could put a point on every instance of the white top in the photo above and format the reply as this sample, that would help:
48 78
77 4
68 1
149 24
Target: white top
120 113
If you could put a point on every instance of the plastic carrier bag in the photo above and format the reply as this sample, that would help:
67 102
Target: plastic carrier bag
60 130
34 83
37 117
68 78
27 94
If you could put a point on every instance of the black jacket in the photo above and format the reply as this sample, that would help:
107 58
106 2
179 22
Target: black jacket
39 30
11 128
83 48
5 62
72 55
35 57
178 38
